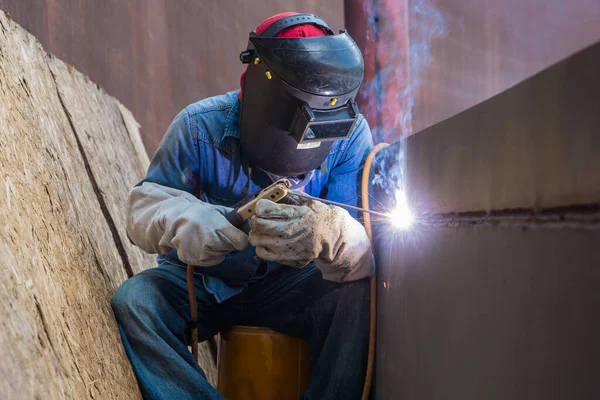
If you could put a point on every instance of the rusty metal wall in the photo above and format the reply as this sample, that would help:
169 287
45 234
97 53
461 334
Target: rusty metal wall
155 56
491 45
455 54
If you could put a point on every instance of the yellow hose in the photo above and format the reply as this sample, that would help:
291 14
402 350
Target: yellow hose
373 279
193 310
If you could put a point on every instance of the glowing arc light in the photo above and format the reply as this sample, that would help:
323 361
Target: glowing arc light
401 216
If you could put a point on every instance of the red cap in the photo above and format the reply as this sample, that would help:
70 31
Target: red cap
298 31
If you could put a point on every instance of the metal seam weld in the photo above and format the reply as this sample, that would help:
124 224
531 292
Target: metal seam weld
576 217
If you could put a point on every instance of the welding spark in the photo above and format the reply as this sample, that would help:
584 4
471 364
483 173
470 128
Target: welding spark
401 216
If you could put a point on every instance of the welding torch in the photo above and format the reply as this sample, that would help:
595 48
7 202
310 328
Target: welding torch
277 192
274 192
335 203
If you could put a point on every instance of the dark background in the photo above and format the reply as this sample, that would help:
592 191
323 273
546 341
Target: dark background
157 56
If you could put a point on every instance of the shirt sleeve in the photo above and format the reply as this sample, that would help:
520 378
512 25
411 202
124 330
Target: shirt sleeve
166 191
344 183
175 164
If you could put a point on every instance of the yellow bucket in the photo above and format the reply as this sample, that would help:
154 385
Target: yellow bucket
261 364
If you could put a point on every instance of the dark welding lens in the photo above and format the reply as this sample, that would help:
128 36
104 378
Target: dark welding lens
312 125
332 130
328 130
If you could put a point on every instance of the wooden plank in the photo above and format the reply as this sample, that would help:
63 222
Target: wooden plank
108 138
110 154
59 263
70 154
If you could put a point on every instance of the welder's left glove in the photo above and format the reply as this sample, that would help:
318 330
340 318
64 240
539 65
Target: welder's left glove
295 235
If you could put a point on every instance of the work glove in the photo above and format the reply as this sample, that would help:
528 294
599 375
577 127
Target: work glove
160 219
309 230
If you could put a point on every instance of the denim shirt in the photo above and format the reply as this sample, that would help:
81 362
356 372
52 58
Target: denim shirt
200 153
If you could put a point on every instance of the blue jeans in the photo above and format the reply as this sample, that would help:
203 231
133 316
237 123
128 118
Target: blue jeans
152 311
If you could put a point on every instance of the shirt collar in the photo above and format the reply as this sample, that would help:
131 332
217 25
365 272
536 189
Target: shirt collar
232 124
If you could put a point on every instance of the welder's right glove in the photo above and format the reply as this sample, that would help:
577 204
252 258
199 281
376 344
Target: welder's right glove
308 231
160 219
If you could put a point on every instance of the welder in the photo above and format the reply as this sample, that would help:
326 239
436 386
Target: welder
302 269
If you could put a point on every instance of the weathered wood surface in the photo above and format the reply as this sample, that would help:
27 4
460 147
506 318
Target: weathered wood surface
67 160
109 154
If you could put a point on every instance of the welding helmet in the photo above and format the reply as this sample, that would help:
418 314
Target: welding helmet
298 96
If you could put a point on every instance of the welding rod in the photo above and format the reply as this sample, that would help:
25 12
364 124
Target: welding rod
335 203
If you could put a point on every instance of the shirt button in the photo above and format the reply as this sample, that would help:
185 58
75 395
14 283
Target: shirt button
255 258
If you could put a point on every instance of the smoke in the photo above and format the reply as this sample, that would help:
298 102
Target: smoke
389 167
402 33
426 23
